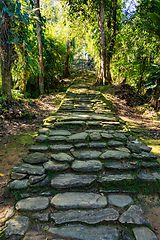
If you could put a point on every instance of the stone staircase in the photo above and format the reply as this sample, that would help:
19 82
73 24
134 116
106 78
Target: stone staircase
80 178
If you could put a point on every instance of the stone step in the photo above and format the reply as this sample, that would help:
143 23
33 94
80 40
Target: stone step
70 180
78 200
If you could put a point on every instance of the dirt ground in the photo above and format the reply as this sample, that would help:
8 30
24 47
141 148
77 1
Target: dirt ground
16 135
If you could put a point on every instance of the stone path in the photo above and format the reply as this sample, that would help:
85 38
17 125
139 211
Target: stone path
79 179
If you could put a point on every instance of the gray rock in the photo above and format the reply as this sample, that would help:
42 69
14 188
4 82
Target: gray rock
81 145
17 226
55 166
133 215
107 136
32 204
85 216
86 154
97 144
121 166
56 138
44 131
123 149
120 136
29 169
19 184
42 217
95 136
41 138
10 213
150 164
93 123
115 178
62 157
38 148
70 180
86 233
78 137
156 175
59 133
61 147
71 123
34 179
145 176
119 200
35 158
18 176
144 156
113 154
87 166
71 200
113 143
44 182
144 233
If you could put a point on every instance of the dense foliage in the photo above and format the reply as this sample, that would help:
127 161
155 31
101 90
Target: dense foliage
123 41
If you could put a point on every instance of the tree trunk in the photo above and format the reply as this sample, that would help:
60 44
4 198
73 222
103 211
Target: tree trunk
101 22
40 46
5 52
112 25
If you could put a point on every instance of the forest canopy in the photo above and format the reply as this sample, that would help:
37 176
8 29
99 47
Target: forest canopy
41 40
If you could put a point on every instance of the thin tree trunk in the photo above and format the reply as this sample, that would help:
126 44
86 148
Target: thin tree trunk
40 46
5 52
111 39
101 22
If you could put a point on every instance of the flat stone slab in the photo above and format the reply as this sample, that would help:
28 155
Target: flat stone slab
71 123
122 166
35 158
144 156
86 154
43 131
70 180
55 166
115 178
87 166
38 148
156 175
62 157
78 137
146 176
28 168
18 176
17 226
81 145
122 149
97 144
61 147
71 200
107 136
85 216
144 233
150 164
95 136
113 154
59 133
32 204
113 143
56 138
44 182
120 136
41 138
119 200
34 179
81 232
133 215
35 235
19 184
